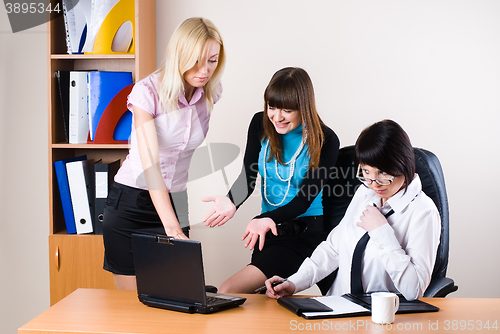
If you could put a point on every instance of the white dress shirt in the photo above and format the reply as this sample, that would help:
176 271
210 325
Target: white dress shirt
399 256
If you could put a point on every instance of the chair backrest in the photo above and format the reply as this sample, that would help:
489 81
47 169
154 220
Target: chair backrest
432 178
343 182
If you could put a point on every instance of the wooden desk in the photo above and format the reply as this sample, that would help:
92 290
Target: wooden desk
114 311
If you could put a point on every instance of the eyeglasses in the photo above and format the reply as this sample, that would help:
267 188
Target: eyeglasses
368 181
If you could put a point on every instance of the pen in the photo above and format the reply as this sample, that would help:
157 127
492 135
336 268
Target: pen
262 288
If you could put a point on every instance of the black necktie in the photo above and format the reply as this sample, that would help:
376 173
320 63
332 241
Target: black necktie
357 258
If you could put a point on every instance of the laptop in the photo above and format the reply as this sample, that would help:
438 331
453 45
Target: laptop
170 275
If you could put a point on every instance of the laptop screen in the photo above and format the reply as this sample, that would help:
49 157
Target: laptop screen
169 269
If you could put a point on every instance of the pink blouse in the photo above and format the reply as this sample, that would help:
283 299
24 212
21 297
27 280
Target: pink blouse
179 133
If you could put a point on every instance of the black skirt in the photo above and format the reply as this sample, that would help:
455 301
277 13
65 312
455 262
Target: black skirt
283 255
130 210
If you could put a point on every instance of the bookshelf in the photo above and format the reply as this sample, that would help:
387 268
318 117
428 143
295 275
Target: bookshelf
75 261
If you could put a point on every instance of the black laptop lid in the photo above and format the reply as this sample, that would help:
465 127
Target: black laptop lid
169 269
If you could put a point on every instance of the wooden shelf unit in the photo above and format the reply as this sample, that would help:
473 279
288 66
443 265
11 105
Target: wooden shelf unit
76 260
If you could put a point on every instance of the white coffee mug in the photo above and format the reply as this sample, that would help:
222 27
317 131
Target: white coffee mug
384 307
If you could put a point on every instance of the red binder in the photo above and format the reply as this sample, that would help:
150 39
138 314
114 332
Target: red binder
110 118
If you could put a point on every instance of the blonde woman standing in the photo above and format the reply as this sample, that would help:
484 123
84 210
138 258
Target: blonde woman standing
171 112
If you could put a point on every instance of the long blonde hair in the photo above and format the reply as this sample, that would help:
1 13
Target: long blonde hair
291 88
185 49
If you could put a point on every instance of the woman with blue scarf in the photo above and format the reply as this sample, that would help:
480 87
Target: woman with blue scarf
294 152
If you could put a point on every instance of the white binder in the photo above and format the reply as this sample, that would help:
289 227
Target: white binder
80 179
78 107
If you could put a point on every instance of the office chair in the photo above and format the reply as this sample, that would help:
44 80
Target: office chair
341 189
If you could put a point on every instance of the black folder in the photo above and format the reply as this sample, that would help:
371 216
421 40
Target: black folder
300 305
63 85
348 305
405 306
104 174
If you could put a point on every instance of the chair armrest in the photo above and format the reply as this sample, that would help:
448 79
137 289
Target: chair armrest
440 287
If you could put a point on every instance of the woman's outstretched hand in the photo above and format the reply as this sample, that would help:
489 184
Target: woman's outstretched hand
222 210
256 230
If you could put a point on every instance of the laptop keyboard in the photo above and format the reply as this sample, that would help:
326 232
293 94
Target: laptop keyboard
211 301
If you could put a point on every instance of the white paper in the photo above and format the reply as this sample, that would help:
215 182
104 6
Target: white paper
99 11
338 304
76 20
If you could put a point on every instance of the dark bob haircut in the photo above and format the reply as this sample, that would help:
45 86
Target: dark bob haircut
386 146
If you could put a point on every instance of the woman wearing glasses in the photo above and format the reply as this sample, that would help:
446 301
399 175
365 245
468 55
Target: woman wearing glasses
402 223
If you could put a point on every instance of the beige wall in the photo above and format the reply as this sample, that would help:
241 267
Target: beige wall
430 65
24 221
